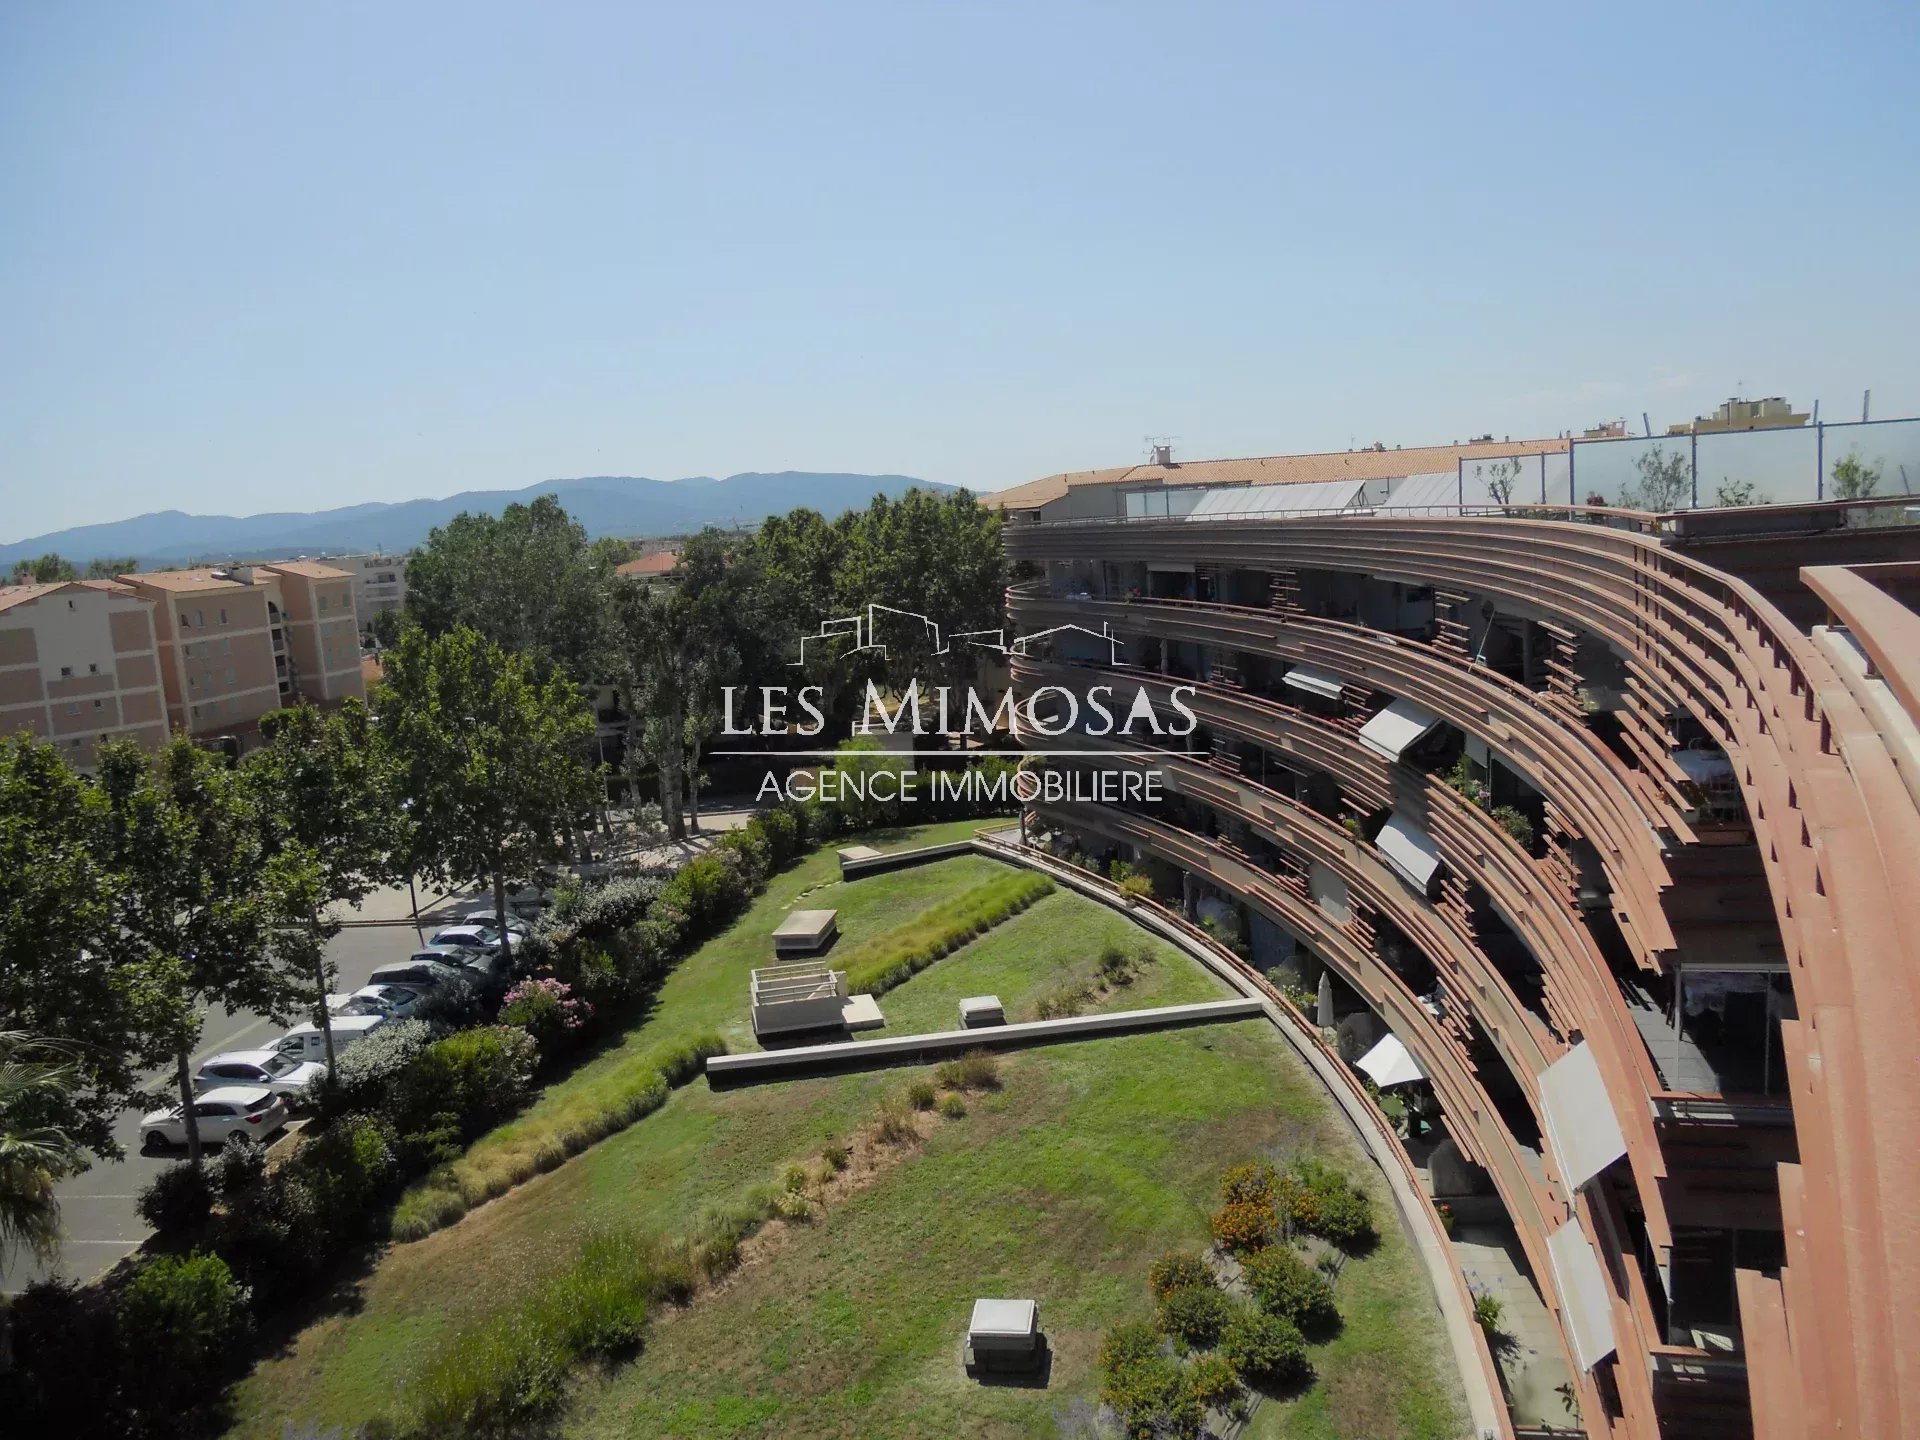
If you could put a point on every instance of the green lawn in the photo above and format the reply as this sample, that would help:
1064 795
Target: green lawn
1094 1157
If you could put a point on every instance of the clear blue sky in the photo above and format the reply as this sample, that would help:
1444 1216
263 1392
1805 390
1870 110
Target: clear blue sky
267 256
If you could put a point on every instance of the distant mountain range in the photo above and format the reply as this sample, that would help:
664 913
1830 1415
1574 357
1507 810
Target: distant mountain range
621 505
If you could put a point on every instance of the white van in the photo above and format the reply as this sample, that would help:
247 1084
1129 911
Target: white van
305 1042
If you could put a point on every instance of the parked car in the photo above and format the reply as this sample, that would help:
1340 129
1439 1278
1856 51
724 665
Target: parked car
484 965
484 915
280 1073
427 974
395 1002
477 936
250 1110
307 1042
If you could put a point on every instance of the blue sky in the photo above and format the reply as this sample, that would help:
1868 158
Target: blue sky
266 257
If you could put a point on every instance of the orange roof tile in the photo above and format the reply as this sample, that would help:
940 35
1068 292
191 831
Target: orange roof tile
1272 469
182 580
662 562
309 568
12 595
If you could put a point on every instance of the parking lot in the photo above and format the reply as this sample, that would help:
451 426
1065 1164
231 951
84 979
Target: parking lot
97 1208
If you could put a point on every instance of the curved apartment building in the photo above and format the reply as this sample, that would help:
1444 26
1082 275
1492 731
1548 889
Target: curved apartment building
1612 820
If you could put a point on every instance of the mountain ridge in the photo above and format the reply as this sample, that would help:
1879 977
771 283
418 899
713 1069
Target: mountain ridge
624 505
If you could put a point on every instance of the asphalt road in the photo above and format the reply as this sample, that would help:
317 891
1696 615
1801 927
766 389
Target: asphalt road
97 1212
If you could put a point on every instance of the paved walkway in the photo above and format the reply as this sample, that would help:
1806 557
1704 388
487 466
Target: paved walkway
1531 1364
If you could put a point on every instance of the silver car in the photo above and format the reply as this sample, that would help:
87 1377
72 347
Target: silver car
250 1110
268 1068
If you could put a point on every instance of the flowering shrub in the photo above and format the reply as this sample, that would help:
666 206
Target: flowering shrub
1244 1226
546 1009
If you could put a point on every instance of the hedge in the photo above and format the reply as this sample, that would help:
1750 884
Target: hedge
891 959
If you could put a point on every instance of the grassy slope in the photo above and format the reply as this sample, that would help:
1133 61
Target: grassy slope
1130 1132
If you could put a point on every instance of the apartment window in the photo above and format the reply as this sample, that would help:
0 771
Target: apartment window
323 602
223 617
200 619
73 709
184 621
99 704
193 682
75 743
226 647
93 669
229 675
66 672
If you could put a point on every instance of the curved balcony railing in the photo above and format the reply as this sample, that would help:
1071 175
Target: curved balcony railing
1836 830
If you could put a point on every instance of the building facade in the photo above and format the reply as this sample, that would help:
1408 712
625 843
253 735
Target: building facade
379 582
79 666
1611 825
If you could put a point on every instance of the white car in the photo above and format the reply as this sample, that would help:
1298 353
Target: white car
477 937
250 1110
486 916
279 1073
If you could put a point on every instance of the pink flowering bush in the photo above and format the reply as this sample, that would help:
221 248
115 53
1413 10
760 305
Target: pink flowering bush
546 1009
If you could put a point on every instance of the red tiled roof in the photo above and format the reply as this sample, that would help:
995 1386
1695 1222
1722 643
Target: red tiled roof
663 562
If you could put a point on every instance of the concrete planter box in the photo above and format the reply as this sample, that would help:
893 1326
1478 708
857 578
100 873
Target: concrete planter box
805 931
802 996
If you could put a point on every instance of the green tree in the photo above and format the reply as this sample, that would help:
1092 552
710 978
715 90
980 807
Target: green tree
1666 482
490 759
60 978
326 799
106 569
663 654
1853 478
43 570
1730 492
385 626
35 1076
529 580
203 913
1501 477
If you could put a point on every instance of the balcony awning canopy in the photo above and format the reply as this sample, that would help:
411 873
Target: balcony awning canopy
1314 682
1388 1064
1313 497
1581 1126
1586 1300
1410 850
1398 728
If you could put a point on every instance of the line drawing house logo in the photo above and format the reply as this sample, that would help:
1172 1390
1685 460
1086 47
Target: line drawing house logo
864 629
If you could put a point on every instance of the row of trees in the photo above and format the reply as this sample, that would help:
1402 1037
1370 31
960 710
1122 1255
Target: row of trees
47 568
174 882
532 582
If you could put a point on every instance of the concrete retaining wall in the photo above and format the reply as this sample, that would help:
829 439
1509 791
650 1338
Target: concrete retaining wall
748 1069
900 859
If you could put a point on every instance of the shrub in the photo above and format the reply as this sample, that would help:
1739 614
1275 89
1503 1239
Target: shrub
1138 886
1287 1286
238 1167
952 1106
364 1073
836 1156
1243 1226
276 1236
1488 1312
1264 1350
886 960
1178 1270
1146 1389
1518 827
1319 1200
180 1323
792 1205
921 1094
63 1343
350 1167
1215 1385
1059 1003
794 1179
975 1070
478 1075
1196 1315
895 1125
547 1010
1115 967
176 1200
1254 1183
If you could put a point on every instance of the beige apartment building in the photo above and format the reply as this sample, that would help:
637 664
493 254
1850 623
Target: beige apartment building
78 666
238 642
379 582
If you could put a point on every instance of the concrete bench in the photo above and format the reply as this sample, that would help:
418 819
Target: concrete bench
805 931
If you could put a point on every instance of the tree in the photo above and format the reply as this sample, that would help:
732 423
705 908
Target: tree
60 978
662 653
385 627
34 1076
491 759
1501 475
1853 478
1731 492
44 570
529 580
325 799
1665 481
203 914
106 569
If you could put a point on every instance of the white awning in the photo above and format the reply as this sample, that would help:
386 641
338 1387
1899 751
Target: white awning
1581 1126
1410 850
1398 727
1314 682
1311 497
1328 890
1586 1300
1388 1064
1435 489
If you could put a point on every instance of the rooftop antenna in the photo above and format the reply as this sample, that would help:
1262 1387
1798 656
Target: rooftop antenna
1646 425
1160 448
1866 404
